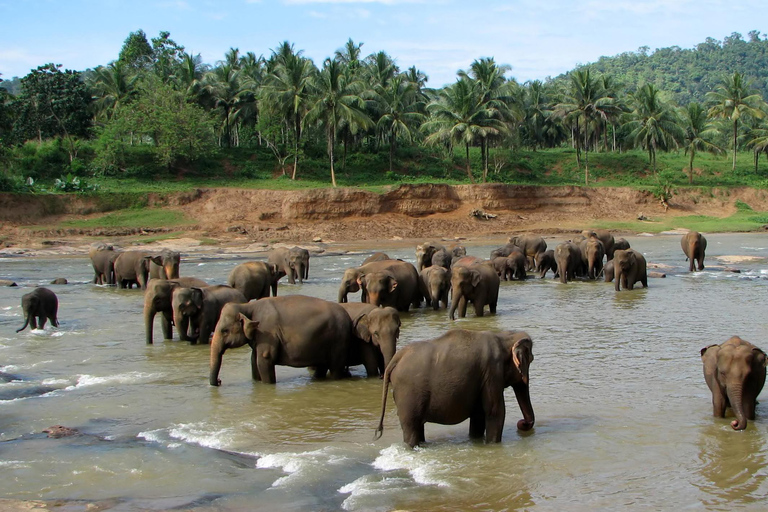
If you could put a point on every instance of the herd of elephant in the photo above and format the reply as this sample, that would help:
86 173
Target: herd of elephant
457 376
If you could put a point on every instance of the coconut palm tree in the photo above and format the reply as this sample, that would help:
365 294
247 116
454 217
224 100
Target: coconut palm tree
189 74
733 99
112 86
337 101
537 111
222 88
697 131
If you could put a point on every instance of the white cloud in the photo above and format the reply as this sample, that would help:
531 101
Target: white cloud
318 15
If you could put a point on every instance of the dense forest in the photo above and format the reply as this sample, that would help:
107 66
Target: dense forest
158 111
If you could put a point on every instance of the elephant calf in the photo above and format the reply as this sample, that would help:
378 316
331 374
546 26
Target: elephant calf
462 374
38 305
629 267
435 285
735 373
200 308
545 261
476 282
694 246
376 332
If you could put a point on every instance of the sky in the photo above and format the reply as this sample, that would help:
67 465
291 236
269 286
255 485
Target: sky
537 38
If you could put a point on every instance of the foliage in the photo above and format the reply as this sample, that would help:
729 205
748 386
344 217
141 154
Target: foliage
70 183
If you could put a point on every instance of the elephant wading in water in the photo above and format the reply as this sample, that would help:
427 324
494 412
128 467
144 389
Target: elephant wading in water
424 253
592 253
295 330
200 308
103 258
629 267
735 373
568 258
377 256
474 281
166 267
253 279
376 332
435 284
462 374
605 237
531 245
694 246
388 283
38 305
545 261
133 267
159 299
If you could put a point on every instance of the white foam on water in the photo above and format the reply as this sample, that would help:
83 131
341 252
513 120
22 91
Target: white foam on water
153 436
14 367
55 382
56 334
300 466
419 463
121 378
204 435
368 489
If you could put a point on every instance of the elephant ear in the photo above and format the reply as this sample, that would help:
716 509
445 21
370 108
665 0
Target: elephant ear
360 325
522 353
197 297
249 326
704 350
476 277
157 260
392 284
760 357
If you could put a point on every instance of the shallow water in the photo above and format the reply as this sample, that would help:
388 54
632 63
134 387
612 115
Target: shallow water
623 415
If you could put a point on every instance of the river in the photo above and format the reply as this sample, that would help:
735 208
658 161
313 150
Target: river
623 415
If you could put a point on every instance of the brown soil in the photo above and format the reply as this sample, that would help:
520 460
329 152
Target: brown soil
350 215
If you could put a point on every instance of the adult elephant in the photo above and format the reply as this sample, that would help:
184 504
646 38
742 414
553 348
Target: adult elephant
133 267
442 258
620 244
103 258
435 285
629 267
377 256
376 331
604 236
167 267
592 252
198 309
281 259
300 263
159 299
735 373
253 279
391 283
424 253
461 374
504 251
568 259
294 330
476 282
545 261
694 246
531 245
37 306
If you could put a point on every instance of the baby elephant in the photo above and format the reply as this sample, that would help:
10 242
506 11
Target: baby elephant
462 374
735 373
39 304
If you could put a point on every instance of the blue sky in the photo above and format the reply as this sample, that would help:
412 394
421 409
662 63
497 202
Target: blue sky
538 39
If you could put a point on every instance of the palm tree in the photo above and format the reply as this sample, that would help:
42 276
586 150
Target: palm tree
654 125
732 99
537 111
189 74
337 101
113 85
697 129
222 87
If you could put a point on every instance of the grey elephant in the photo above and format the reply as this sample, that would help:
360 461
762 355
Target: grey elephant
605 237
39 305
592 252
103 258
458 251
735 373
461 374
300 259
60 280
515 268
166 267
620 244
531 245
545 261
629 267
377 256
568 259
504 251
475 282
376 331
608 272
391 283
133 267
352 280
442 258
158 298
424 253
294 330
253 279
435 284
198 309
694 246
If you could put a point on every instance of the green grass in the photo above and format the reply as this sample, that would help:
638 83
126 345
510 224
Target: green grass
741 221
144 218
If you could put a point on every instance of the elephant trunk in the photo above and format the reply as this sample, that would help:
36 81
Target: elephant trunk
182 324
524 401
435 302
735 397
455 298
342 294
149 320
217 351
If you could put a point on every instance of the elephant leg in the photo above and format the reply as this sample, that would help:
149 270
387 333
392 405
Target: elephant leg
479 307
274 288
166 322
477 424
701 263
492 306
255 366
265 365
462 307
291 276
719 402
183 329
204 332
413 431
32 322
320 372
41 321
370 361
54 321
495 412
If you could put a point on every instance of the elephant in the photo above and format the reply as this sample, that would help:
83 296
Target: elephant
294 330
531 245
608 269
442 258
351 282
503 252
604 236
158 298
735 373
253 279
510 267
199 308
629 267
376 332
458 251
592 252
60 280
477 283
620 244
167 267
103 258
461 374
435 284
545 261
133 267
391 283
38 305
377 256
424 254
300 263
694 246
568 259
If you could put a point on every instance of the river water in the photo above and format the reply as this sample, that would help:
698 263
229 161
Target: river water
623 415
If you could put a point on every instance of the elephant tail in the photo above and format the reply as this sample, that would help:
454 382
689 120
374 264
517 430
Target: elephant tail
384 393
26 323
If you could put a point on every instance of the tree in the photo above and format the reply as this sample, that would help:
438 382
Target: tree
6 114
338 100
136 51
222 88
166 56
698 130
733 99
112 85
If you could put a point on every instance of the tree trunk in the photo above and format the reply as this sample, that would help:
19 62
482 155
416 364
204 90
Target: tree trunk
330 153
690 168
469 170
735 132
586 159
391 149
297 125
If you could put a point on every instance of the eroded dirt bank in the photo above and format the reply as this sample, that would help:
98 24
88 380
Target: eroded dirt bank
349 214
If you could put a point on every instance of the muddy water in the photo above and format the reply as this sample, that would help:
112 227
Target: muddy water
623 416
